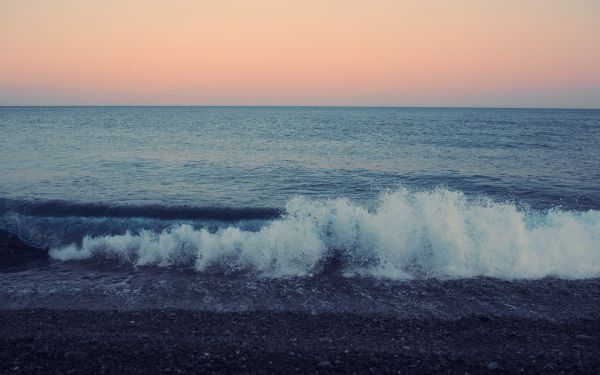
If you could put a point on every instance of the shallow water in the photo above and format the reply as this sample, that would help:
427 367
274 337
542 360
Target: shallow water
99 287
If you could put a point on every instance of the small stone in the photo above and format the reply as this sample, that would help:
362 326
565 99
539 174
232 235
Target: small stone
493 365
76 355
324 364
587 338
88 342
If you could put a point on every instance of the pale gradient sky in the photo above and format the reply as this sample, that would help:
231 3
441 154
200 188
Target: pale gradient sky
499 53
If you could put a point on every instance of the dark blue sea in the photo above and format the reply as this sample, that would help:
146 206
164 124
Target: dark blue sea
314 202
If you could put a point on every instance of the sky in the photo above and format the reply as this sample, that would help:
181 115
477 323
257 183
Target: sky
474 53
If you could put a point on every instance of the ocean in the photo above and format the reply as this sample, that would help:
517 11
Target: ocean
300 208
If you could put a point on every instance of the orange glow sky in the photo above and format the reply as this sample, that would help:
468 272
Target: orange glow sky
515 53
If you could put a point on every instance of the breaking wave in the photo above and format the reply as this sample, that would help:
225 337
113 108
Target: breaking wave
408 234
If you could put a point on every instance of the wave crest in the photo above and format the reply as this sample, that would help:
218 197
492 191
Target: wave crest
439 233
58 208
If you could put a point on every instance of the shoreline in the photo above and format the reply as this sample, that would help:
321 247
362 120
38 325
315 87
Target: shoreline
184 341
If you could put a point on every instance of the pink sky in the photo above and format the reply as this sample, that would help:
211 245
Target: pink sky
525 53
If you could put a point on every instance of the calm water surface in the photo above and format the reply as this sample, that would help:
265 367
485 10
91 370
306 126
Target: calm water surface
261 157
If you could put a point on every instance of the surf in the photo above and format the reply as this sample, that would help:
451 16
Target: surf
406 235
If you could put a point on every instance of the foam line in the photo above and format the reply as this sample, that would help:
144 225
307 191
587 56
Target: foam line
409 234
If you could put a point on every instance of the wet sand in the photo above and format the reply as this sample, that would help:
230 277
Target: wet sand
177 341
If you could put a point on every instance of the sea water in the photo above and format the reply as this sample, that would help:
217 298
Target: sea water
385 193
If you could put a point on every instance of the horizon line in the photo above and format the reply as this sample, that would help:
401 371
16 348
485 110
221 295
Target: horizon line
280 106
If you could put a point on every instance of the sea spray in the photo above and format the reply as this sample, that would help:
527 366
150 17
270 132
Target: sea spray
408 234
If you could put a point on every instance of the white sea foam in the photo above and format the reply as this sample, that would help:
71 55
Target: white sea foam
409 234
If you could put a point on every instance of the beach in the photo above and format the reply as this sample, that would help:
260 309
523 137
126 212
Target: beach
177 341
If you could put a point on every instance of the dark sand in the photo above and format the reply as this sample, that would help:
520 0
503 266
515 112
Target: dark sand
174 341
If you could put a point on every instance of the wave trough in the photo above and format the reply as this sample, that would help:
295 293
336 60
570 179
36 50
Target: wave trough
426 234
